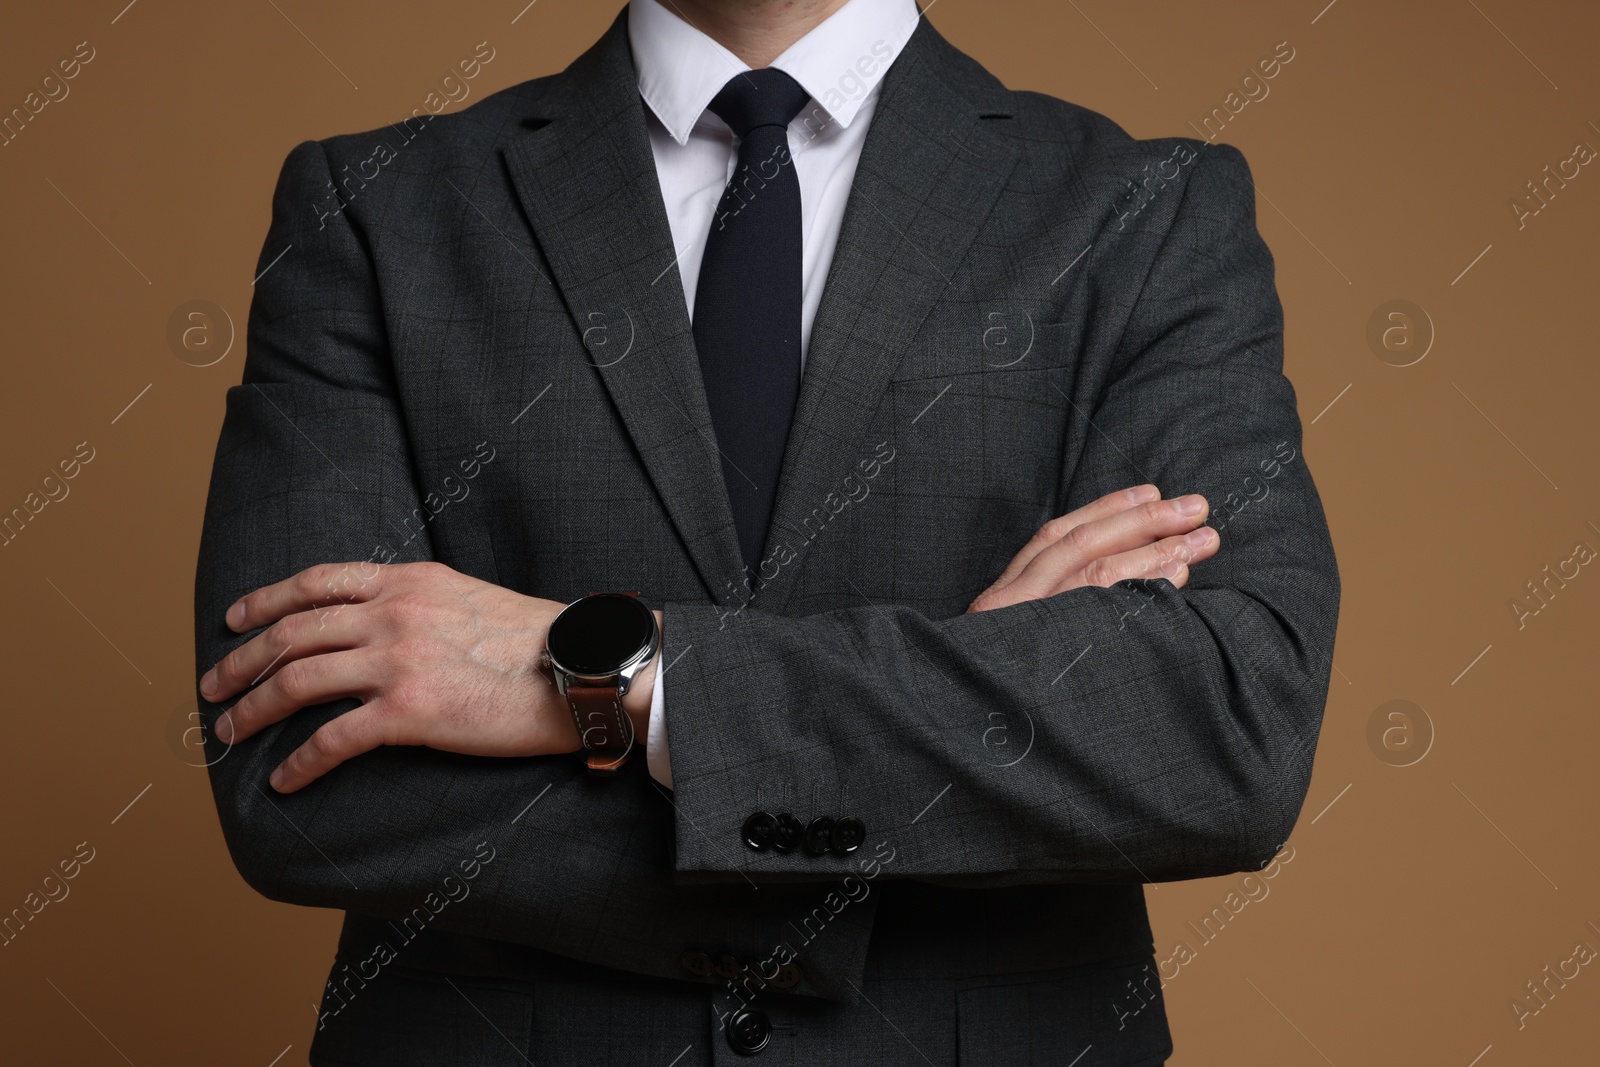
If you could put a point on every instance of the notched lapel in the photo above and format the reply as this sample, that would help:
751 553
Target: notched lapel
934 161
583 171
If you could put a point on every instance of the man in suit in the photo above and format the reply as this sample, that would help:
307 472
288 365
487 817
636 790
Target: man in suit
774 394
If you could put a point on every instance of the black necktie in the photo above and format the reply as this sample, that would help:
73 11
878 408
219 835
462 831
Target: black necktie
747 302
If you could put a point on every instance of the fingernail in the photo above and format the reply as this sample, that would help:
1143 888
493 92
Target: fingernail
277 778
208 684
1143 493
236 615
224 729
1191 504
1200 537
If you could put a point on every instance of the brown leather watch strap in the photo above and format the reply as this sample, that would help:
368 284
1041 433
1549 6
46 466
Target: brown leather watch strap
603 726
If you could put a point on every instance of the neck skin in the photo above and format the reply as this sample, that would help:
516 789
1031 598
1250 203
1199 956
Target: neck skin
757 31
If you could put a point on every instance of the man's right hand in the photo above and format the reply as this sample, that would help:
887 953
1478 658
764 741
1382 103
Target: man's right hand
1132 533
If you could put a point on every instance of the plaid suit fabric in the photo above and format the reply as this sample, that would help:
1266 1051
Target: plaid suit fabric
1027 309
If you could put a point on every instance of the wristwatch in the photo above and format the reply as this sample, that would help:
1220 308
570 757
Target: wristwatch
595 648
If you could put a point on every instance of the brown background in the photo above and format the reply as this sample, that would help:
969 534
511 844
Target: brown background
1420 899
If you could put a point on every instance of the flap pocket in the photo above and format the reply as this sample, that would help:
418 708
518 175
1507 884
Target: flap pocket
403 1017
1101 1015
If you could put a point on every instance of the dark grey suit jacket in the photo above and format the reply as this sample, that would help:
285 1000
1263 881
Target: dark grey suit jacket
475 349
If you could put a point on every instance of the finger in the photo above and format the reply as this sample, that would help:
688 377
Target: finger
1169 558
314 587
1123 531
1056 528
339 739
300 684
305 633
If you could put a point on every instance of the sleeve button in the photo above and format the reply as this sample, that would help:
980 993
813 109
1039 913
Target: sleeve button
848 834
790 831
788 977
759 831
819 835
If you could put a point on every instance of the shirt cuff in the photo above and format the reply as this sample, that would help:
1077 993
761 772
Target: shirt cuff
657 756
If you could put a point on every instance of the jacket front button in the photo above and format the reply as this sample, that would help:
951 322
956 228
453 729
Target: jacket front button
749 1032
759 830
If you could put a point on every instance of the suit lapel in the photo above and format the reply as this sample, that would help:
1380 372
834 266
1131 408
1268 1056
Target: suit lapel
932 165
583 170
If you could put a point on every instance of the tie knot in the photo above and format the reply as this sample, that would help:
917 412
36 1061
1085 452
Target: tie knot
765 97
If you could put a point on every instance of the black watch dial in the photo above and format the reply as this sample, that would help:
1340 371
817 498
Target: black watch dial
599 634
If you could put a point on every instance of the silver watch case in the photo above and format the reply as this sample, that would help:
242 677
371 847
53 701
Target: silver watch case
622 678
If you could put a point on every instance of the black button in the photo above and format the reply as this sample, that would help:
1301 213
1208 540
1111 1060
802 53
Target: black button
749 1032
819 835
789 833
727 966
788 977
759 830
848 834
696 963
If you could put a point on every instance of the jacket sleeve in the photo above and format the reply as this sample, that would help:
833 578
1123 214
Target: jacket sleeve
1135 733
314 465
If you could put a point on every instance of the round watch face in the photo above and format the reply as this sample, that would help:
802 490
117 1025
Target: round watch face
599 634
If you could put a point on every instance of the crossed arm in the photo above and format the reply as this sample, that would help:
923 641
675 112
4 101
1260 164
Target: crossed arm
442 659
1179 746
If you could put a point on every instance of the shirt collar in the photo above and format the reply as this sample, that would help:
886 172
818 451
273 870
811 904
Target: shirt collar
840 62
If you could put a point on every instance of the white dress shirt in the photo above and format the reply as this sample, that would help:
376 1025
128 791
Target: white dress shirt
841 63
